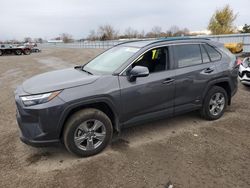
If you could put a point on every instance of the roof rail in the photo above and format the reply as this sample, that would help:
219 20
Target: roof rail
164 39
129 41
183 38
177 38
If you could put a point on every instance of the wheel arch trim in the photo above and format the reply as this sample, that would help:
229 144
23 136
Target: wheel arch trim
219 81
78 105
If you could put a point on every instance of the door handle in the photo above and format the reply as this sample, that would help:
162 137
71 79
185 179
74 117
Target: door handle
208 70
168 81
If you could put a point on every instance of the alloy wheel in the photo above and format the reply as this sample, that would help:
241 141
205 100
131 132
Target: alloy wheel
216 104
89 135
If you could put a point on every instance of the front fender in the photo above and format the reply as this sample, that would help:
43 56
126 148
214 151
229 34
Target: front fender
85 103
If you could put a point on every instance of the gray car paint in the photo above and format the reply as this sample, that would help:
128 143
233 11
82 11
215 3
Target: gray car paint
57 80
146 98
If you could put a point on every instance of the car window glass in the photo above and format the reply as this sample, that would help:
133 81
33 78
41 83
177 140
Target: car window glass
111 59
155 60
205 57
188 54
214 55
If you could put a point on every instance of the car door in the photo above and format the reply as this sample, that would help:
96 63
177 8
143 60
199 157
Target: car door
194 69
148 97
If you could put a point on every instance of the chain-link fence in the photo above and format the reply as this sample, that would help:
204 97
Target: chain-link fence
233 38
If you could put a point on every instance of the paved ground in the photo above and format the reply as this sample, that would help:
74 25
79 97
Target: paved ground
186 150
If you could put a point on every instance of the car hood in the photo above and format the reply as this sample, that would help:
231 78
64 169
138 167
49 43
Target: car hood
57 80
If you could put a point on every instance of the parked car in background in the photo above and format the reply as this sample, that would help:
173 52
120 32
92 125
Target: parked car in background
35 50
131 83
10 49
33 46
244 71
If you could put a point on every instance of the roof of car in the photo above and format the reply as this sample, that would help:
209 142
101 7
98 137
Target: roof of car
143 42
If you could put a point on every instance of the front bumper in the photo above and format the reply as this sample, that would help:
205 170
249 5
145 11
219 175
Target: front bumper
244 78
244 75
39 143
38 124
32 134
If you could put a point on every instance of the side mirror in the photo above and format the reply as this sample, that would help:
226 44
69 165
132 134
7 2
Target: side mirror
138 71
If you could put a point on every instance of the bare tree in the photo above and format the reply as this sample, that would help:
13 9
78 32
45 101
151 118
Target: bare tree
107 32
93 35
66 37
182 32
141 34
130 33
156 31
173 30
38 40
27 39
186 31
176 31
57 38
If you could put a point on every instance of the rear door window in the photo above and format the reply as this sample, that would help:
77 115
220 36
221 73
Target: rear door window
213 54
188 55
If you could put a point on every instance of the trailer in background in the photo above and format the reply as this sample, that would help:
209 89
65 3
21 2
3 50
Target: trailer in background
17 50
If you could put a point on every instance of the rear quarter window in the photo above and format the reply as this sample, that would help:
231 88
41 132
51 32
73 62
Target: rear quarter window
213 54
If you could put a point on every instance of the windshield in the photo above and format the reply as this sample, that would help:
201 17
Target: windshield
110 60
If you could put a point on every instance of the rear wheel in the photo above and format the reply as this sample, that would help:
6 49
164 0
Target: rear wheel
18 52
87 132
215 103
27 52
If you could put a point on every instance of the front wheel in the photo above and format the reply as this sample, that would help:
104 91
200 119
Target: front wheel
87 132
18 52
215 103
1 52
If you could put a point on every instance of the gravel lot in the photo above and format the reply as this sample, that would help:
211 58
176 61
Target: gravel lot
186 150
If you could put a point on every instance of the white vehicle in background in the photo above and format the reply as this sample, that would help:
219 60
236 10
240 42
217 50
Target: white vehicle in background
244 71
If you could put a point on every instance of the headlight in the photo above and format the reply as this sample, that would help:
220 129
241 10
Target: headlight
38 99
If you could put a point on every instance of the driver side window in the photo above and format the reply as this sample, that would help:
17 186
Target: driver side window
155 60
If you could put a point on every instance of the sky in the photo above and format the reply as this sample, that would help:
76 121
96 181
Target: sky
49 18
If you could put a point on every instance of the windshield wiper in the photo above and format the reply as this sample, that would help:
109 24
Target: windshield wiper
82 69
87 71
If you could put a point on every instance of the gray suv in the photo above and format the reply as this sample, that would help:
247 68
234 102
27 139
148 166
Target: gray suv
131 83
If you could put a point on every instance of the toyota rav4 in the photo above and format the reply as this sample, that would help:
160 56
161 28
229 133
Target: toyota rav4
131 83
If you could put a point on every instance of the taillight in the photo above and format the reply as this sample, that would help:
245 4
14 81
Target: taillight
238 61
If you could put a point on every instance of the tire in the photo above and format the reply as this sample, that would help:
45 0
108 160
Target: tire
1 52
246 85
79 132
212 109
27 52
18 52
